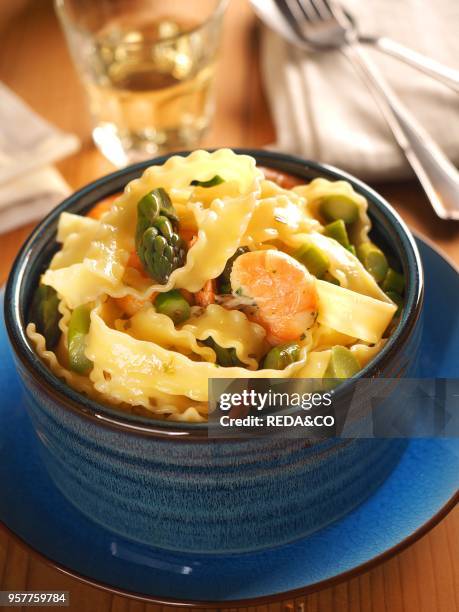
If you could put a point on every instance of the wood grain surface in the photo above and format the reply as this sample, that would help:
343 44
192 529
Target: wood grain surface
34 62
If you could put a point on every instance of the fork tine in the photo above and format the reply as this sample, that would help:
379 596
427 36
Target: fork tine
308 10
328 9
299 12
322 7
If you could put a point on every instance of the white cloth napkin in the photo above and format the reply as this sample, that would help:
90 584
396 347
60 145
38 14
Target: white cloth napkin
323 111
29 186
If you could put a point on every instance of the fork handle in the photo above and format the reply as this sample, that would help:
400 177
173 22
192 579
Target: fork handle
436 173
440 72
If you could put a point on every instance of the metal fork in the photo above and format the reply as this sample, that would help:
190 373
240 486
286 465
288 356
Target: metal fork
325 26
271 14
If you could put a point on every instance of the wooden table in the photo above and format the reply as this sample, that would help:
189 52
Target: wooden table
34 62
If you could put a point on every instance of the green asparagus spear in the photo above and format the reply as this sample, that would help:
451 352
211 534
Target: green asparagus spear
45 314
397 299
280 356
158 245
373 260
226 357
174 305
351 249
215 180
393 281
330 279
339 207
337 230
223 281
313 258
343 363
76 340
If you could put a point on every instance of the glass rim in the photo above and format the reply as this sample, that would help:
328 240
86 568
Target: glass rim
216 14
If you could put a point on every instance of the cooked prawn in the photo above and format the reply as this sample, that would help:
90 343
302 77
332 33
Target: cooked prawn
206 295
189 236
286 181
130 304
283 291
101 207
134 262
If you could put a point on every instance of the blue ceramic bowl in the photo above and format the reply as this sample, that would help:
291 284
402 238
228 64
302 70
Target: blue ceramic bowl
169 485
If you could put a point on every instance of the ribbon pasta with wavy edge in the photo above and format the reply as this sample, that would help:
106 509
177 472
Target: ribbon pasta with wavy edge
136 368
159 355
99 259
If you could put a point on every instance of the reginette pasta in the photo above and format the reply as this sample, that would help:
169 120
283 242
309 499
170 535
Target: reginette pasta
203 268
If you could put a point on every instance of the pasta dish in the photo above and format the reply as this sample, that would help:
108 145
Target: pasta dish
204 267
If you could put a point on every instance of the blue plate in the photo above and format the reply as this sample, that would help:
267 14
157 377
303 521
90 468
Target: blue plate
417 494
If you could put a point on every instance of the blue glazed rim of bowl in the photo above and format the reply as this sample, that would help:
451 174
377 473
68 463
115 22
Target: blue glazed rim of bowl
40 246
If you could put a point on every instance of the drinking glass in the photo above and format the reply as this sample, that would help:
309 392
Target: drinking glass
148 67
